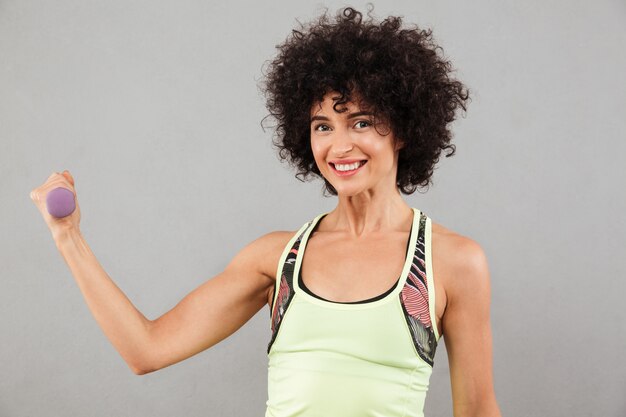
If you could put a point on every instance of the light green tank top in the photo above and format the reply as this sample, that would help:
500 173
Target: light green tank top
369 358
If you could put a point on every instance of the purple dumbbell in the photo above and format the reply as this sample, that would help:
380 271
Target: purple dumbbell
60 202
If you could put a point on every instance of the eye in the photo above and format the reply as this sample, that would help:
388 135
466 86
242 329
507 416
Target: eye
367 122
318 126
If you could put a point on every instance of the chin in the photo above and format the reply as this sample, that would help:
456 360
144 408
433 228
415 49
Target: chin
348 191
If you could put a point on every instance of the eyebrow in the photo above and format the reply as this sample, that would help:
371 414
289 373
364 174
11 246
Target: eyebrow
350 116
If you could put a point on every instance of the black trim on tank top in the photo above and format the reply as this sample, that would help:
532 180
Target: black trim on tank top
378 297
369 300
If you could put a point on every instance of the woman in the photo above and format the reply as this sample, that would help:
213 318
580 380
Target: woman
366 107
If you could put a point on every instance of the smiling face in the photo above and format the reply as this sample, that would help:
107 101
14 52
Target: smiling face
339 140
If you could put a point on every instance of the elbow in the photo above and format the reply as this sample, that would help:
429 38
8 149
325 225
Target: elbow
141 371
138 371
141 363
140 368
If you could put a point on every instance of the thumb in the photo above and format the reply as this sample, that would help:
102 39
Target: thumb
69 177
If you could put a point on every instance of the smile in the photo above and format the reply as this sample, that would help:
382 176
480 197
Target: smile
347 173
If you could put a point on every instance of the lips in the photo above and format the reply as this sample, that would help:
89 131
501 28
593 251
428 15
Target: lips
347 173
346 161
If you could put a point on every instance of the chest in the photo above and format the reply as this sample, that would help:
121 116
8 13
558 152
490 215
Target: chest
350 270
341 270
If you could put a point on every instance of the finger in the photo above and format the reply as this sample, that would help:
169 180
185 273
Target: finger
68 176
64 178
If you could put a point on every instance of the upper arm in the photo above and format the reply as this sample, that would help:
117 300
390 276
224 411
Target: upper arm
468 332
215 309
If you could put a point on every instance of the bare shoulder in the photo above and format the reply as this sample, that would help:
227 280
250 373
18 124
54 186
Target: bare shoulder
462 250
461 261
266 252
269 249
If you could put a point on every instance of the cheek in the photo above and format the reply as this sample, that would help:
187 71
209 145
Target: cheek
318 151
318 158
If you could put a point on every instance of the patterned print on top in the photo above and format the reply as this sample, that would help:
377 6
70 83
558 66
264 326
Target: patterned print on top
414 300
285 290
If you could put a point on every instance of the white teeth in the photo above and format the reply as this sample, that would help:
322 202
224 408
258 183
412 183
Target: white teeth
347 167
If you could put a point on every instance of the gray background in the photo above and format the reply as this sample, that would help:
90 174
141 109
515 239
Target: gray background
154 108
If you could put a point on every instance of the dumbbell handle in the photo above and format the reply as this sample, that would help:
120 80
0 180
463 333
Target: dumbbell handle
60 202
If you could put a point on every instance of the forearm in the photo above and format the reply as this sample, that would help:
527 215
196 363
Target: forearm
125 326
489 412
483 409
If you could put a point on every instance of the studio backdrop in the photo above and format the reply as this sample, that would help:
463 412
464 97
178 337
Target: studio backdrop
155 109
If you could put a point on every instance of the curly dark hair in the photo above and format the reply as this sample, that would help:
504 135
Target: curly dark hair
393 72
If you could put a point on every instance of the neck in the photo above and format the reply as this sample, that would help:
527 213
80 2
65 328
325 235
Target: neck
362 215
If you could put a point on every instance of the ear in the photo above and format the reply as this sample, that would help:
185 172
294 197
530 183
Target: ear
399 144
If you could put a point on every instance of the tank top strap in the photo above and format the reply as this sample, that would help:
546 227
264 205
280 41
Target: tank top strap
418 295
283 287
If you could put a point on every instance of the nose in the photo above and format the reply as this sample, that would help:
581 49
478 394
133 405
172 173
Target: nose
342 144
340 152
